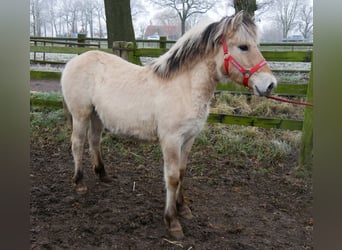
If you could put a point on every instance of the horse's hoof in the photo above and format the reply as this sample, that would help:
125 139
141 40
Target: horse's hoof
177 234
81 189
175 229
185 212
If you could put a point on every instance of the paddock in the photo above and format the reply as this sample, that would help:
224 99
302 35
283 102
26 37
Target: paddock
233 196
230 189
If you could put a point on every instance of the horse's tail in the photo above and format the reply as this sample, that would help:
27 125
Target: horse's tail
67 113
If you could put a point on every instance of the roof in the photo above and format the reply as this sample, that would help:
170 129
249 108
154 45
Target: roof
172 32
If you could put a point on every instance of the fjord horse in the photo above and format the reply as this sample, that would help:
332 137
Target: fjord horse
167 100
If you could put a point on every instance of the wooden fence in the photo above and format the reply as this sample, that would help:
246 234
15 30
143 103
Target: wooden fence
278 52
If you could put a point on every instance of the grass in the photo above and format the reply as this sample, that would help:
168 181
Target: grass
232 104
262 149
264 146
49 124
46 101
47 96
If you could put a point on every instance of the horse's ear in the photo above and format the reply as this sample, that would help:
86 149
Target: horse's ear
237 20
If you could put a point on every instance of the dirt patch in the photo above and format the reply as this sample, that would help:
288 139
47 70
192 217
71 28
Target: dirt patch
44 85
235 206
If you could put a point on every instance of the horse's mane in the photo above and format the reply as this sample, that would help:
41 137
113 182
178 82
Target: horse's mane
202 40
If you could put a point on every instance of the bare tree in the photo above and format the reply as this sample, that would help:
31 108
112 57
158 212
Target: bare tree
64 17
166 17
52 16
305 21
186 8
286 15
263 6
87 11
137 8
100 15
36 12
139 13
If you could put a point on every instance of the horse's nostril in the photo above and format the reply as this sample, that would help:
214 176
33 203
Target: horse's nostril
270 87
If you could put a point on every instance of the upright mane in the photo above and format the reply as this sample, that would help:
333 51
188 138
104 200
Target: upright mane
202 40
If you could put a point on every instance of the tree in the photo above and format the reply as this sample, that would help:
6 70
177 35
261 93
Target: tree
139 13
286 14
166 17
253 7
186 8
36 16
249 6
305 21
119 21
100 15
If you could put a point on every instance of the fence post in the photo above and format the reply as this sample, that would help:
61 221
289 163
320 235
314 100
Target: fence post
306 149
34 53
122 48
81 39
162 43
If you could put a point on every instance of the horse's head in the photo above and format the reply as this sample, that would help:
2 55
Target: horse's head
242 60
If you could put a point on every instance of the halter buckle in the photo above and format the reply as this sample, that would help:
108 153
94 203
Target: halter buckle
226 56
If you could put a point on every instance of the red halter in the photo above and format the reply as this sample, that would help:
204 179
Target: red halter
246 72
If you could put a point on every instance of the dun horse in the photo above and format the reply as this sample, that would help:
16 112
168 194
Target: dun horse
167 100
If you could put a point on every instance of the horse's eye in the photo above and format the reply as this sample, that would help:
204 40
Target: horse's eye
243 47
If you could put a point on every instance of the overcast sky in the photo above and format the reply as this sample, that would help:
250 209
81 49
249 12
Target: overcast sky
220 10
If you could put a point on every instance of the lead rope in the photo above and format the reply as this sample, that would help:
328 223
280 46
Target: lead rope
289 101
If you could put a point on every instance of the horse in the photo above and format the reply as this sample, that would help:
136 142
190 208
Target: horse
166 100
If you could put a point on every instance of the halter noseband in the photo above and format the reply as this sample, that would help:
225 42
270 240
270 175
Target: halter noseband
246 72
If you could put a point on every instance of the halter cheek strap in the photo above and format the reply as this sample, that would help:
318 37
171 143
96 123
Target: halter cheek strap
246 72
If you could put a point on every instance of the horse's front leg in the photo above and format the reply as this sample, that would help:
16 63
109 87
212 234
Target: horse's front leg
172 160
182 208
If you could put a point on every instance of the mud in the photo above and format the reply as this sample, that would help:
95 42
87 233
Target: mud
235 205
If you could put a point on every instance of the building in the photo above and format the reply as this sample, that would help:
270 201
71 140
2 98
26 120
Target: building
154 32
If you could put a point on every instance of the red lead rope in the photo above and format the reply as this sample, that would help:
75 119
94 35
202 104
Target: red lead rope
289 101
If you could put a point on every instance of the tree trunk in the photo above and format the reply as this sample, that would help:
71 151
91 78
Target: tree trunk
249 6
119 21
183 21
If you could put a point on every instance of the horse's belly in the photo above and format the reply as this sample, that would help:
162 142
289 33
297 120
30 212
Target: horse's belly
132 126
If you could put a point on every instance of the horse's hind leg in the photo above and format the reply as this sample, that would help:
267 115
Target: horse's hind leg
94 139
79 133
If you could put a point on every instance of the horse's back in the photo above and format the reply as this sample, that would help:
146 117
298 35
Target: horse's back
85 72
113 87
90 64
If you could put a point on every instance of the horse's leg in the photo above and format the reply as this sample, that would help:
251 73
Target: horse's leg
171 153
183 209
94 139
79 133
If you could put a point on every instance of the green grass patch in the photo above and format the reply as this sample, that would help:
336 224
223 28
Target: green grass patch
261 149
232 104
46 101
49 124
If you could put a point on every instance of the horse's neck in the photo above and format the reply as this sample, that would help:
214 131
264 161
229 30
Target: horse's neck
204 80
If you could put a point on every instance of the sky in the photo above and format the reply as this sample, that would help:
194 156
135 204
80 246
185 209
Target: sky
222 9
